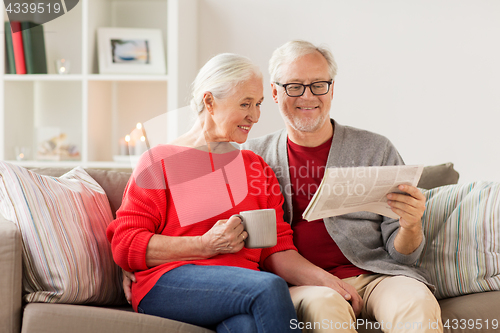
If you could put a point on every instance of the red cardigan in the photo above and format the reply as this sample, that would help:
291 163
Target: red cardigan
179 191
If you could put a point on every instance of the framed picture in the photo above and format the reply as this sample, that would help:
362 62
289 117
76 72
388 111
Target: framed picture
130 51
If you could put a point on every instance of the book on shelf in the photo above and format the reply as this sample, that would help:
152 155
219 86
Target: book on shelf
25 49
34 48
9 49
17 43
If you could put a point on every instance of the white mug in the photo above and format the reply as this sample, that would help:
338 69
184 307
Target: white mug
261 227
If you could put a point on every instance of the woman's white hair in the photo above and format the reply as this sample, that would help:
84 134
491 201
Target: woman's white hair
219 76
294 49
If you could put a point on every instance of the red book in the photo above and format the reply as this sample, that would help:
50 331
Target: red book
17 43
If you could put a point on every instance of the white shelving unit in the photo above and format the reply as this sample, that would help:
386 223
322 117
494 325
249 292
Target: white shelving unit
94 110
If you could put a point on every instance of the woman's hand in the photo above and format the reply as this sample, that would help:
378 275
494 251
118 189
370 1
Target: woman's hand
226 236
298 271
128 278
349 293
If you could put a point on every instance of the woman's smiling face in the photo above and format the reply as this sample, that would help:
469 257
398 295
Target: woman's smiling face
234 115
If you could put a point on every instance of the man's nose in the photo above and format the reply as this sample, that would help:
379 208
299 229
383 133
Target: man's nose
307 93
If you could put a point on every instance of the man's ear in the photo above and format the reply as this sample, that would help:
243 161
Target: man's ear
274 91
331 88
208 100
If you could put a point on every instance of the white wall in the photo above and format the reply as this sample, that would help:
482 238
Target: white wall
425 73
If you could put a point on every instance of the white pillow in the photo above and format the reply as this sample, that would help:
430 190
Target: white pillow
462 228
66 256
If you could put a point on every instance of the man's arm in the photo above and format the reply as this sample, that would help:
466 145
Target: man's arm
410 208
409 238
297 270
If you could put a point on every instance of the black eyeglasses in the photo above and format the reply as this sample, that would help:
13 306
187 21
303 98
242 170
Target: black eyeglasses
297 89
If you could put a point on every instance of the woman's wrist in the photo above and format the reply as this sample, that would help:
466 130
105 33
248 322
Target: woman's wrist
204 248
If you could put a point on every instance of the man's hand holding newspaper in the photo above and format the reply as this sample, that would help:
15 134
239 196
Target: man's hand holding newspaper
348 190
387 190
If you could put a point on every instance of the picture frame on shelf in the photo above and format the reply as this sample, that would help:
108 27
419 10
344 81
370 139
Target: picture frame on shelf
130 51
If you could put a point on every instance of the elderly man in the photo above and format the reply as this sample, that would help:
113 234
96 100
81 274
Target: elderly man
366 260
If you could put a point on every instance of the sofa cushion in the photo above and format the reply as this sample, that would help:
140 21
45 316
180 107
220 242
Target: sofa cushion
84 319
474 313
438 175
462 228
471 313
112 182
66 256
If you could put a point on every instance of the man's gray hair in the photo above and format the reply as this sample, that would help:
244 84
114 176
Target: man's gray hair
294 49
219 76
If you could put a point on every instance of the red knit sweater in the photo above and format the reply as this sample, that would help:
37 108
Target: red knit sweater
178 191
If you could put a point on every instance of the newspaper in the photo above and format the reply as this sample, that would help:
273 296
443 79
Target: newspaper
348 190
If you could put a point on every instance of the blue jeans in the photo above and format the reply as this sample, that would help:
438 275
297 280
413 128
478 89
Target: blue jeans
227 299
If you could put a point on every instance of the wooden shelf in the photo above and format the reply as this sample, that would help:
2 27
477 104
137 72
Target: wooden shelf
92 111
72 164
42 77
126 77
80 77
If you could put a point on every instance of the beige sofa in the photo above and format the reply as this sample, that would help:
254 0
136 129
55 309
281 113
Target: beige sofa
474 310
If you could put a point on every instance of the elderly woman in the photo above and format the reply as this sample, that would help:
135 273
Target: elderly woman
176 230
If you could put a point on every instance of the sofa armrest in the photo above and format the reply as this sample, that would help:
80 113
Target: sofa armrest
10 277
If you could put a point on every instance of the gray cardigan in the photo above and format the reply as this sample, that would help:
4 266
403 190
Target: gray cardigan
366 239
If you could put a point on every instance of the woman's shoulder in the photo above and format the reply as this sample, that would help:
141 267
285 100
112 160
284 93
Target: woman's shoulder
150 167
167 148
256 163
252 157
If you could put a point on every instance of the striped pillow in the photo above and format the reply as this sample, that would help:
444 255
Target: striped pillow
462 228
66 256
